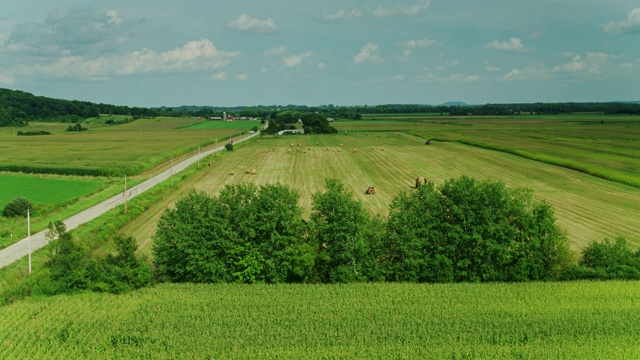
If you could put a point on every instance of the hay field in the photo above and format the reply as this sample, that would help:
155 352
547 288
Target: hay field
589 208
110 150
603 145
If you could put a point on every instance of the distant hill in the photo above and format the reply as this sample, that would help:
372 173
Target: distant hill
455 103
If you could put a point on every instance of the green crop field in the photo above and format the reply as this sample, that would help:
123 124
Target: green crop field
234 125
109 150
588 208
578 320
44 190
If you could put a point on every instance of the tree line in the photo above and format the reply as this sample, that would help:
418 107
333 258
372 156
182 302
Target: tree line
463 230
17 108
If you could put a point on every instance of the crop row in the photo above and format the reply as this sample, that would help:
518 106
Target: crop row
534 320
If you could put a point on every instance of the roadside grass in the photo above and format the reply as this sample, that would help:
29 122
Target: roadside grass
588 208
14 230
573 320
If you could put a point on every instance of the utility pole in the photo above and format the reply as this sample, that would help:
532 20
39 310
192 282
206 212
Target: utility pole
125 194
29 238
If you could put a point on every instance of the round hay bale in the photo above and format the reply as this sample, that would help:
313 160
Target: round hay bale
254 171
232 173
373 148
382 148
354 150
341 145
247 171
290 145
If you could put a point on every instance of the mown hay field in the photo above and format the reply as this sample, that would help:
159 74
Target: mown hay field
588 208
110 150
603 145
577 320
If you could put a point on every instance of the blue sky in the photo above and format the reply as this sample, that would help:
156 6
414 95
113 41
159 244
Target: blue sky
342 52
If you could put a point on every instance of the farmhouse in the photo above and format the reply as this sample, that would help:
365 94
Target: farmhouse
296 131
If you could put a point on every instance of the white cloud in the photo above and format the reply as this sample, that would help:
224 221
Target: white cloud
631 24
567 54
592 63
513 45
222 75
419 8
368 53
74 31
296 59
452 63
242 77
409 46
463 77
321 66
276 51
343 15
246 23
197 55
491 68
534 71
6 78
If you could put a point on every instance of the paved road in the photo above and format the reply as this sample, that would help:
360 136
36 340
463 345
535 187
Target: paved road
20 249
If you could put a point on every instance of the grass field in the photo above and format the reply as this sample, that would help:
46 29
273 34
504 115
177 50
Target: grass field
589 208
603 145
44 190
234 125
114 150
579 320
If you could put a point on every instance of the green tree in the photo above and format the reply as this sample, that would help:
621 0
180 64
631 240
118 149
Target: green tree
16 208
470 230
340 228
247 234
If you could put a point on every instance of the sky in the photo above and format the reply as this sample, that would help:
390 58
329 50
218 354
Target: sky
318 52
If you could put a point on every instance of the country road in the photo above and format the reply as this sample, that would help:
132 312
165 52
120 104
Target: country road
20 249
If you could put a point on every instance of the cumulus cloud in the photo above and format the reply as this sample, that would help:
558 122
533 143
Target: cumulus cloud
368 53
321 66
409 46
276 51
513 45
246 23
219 76
464 77
242 77
593 63
296 59
73 31
534 71
343 15
419 8
6 78
491 68
631 24
197 55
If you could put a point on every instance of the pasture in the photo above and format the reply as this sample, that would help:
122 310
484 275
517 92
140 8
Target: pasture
588 208
126 149
577 320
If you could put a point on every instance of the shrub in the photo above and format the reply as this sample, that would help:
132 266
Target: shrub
16 208
229 146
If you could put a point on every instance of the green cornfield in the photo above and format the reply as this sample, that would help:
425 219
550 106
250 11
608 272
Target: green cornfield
577 320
